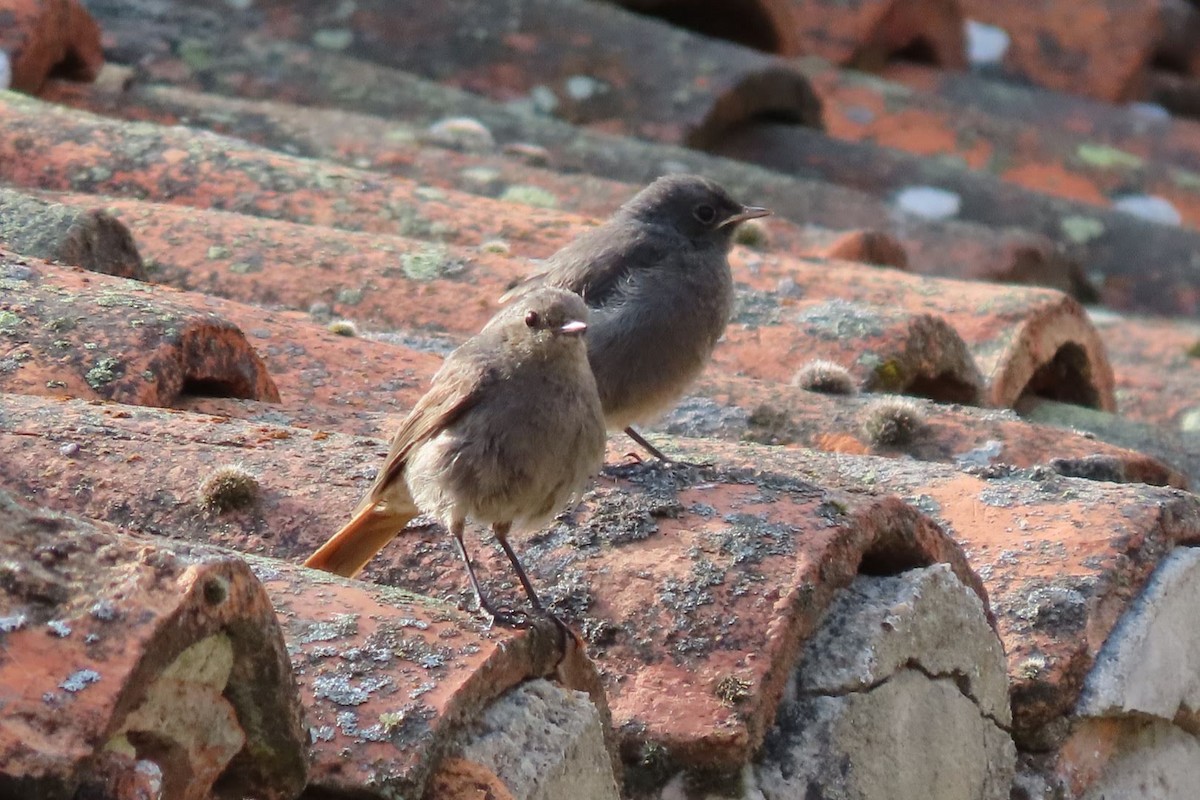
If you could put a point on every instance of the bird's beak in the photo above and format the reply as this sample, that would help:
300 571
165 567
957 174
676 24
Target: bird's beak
573 328
747 212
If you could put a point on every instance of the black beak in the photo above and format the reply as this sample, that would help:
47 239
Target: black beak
747 212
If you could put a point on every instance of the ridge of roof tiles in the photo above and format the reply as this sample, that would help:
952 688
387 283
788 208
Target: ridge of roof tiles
315 77
1107 240
289 259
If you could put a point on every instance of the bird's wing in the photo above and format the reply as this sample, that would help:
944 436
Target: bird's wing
594 265
445 402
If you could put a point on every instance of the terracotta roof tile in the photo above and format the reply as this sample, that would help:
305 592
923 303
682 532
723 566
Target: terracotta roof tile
1094 47
1157 368
392 677
443 154
87 238
96 155
394 209
295 365
75 332
867 35
40 39
885 350
582 62
115 645
274 70
780 547
1024 340
483 69
1018 150
765 412
1176 447
381 282
1144 132
1061 558
223 249
1109 241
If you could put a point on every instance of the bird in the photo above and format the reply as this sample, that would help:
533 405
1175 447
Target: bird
509 430
656 278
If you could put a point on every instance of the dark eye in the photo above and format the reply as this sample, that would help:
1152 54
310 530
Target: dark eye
705 213
532 319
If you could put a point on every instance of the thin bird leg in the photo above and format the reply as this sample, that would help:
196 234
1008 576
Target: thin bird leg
501 530
456 528
656 453
649 448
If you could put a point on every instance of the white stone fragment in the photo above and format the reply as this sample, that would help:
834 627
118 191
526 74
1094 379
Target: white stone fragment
929 202
545 743
1149 207
986 44
1149 663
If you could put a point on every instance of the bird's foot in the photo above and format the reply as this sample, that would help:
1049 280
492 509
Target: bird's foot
507 617
658 455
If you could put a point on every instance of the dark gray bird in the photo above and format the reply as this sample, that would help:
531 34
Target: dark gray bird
509 430
656 278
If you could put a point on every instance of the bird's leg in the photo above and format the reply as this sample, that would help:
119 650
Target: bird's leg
456 528
658 454
501 530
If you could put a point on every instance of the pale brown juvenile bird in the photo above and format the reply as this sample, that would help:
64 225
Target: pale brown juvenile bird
656 278
509 430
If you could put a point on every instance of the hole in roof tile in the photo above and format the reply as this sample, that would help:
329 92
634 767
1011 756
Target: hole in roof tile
238 388
919 51
1175 63
772 97
748 24
943 388
71 68
887 556
1066 378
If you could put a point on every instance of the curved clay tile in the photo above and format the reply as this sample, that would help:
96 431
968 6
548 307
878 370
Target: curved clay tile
1139 704
585 63
1099 48
740 409
397 678
885 350
89 238
387 142
1155 364
1062 560
869 34
40 39
1024 340
93 336
141 660
675 578
765 25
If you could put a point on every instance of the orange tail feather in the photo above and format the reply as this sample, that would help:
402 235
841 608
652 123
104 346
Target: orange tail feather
367 532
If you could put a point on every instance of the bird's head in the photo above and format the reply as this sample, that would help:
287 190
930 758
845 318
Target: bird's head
694 206
546 316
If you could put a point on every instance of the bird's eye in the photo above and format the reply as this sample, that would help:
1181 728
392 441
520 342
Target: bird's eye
705 214
532 319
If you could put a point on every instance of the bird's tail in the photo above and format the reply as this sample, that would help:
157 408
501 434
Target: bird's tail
367 532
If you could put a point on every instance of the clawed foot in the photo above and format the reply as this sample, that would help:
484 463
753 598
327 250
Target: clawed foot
657 455
507 618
